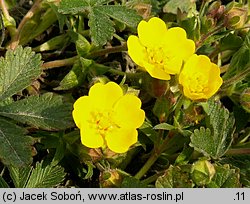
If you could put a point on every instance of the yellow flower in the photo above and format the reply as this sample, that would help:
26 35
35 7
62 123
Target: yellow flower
159 50
200 78
107 117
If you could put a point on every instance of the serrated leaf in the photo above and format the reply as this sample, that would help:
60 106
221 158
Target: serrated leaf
243 163
18 70
45 176
214 142
73 6
48 112
174 177
240 60
15 146
76 6
225 178
121 13
101 27
202 141
20 176
77 74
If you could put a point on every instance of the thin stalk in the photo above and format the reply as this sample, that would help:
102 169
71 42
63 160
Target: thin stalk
238 151
204 37
235 79
6 14
59 63
15 40
106 51
3 28
153 158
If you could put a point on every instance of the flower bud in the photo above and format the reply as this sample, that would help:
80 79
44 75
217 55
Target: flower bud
245 99
216 10
236 17
110 178
202 172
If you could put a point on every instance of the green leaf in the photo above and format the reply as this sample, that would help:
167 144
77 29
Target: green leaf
3 183
48 112
101 27
243 163
73 6
147 129
162 108
77 74
164 126
60 152
186 6
131 182
174 177
15 147
225 178
20 176
240 60
45 176
230 42
76 6
18 70
121 13
184 156
214 142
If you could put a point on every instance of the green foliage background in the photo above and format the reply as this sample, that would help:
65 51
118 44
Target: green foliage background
51 57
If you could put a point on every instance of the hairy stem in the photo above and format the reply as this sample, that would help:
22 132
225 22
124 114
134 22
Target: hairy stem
110 50
12 30
59 63
199 43
238 151
71 61
15 40
235 79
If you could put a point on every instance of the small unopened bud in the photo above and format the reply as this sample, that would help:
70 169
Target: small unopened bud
216 10
236 17
110 178
245 99
202 172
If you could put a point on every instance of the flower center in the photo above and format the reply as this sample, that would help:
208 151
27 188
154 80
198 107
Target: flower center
102 122
198 83
158 56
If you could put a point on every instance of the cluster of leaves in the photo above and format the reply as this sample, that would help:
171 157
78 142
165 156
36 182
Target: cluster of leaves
188 144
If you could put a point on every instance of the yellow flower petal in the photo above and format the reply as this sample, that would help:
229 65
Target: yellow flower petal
200 78
173 66
135 50
90 138
119 141
127 112
105 95
151 33
186 49
156 72
179 45
215 80
82 108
